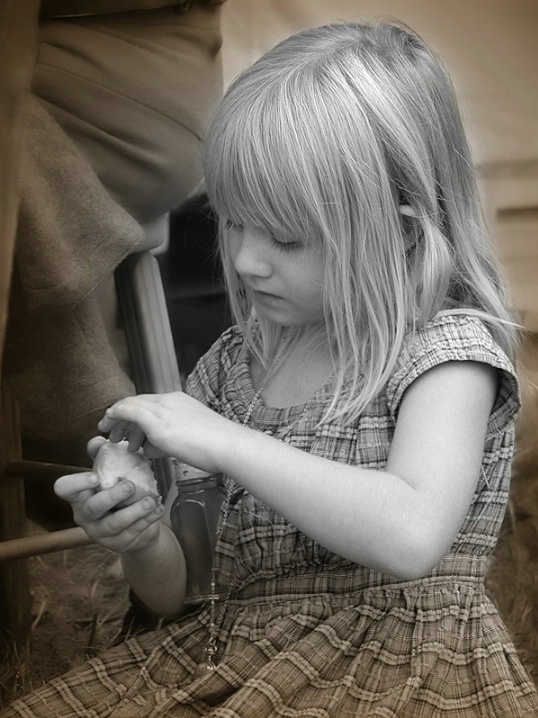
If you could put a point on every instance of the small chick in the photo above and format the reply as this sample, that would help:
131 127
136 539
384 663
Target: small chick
115 462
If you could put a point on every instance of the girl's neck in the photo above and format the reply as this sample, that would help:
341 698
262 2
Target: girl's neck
294 378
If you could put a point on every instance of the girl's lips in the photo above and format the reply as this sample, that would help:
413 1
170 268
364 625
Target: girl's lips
268 296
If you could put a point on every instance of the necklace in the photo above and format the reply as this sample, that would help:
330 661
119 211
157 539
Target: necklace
215 621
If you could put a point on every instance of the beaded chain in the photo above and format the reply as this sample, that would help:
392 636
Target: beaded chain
214 625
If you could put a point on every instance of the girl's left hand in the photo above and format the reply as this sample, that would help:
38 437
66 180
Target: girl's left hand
127 529
173 424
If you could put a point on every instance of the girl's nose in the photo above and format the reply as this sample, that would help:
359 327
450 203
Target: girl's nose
250 257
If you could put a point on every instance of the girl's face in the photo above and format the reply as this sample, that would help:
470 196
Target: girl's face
284 277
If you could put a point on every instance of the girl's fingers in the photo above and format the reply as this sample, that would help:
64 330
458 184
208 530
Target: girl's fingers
76 488
131 519
134 532
102 502
94 445
135 409
126 431
135 437
141 514
118 431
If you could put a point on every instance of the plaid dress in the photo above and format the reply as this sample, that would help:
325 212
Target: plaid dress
306 633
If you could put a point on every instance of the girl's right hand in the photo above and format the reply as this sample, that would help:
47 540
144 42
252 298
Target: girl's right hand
128 529
171 424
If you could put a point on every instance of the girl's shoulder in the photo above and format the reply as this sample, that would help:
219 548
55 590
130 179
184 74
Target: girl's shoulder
456 337
227 346
452 336
215 365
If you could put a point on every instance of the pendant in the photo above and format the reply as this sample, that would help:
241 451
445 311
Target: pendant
210 652
204 668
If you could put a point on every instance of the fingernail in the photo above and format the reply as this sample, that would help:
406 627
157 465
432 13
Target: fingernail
147 503
126 487
159 509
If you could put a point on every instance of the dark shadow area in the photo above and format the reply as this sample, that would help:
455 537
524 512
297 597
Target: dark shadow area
193 282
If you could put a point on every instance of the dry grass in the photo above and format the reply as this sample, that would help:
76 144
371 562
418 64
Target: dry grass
80 597
79 600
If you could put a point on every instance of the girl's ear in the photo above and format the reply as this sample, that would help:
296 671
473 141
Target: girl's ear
406 210
409 225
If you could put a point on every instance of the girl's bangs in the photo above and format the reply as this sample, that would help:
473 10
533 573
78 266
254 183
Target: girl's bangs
252 178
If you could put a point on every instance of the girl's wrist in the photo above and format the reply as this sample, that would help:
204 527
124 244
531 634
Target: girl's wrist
145 546
157 573
216 451
239 442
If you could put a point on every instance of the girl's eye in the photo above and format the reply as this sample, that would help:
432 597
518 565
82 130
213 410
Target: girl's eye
284 245
233 226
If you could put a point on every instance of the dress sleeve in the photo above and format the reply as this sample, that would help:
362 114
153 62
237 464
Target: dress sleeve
457 338
206 380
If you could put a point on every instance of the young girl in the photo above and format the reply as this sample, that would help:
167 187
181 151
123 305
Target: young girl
361 411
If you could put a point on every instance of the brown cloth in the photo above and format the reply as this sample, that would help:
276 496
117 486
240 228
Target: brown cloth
134 90
58 360
71 8
114 138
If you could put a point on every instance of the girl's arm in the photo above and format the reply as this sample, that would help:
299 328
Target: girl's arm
151 557
401 520
157 573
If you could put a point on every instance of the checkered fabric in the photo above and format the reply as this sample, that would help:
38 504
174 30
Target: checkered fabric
306 633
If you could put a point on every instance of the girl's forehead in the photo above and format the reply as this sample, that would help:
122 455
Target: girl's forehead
250 196
234 207
260 216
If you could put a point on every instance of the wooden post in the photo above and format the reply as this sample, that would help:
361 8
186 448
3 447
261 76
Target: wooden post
18 31
14 582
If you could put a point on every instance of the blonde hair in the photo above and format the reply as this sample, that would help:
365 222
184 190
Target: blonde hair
326 137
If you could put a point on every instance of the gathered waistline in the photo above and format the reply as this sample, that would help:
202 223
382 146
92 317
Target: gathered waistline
461 570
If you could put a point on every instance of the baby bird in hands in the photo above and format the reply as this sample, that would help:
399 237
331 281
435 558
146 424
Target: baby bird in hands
114 462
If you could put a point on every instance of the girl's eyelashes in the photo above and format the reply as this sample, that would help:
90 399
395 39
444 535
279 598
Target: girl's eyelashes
228 224
285 245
